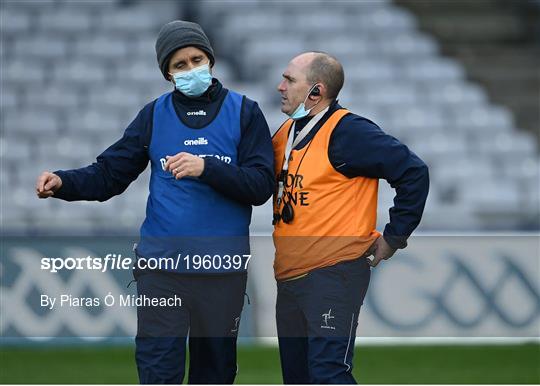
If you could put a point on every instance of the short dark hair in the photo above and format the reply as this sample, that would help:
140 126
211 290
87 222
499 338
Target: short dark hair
327 70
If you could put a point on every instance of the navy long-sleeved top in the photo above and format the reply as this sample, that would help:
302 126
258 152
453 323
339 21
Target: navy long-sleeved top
251 181
358 147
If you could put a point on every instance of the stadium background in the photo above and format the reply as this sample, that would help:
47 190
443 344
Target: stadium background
457 81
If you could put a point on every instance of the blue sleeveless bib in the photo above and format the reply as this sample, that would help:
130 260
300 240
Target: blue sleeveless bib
187 217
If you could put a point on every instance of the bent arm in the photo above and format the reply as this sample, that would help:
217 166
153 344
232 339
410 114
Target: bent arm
252 180
358 147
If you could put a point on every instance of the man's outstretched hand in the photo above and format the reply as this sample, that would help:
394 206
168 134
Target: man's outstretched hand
47 183
380 250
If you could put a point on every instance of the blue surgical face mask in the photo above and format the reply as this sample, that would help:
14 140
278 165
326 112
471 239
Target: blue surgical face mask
301 111
195 82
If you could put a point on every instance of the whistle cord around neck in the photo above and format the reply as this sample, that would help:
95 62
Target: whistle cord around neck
285 190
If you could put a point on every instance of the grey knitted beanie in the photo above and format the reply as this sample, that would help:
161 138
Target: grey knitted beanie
179 34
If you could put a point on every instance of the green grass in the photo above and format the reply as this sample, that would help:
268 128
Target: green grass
373 364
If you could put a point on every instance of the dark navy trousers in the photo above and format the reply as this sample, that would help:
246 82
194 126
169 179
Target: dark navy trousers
317 316
209 315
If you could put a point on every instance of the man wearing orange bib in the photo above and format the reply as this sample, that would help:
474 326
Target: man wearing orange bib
328 162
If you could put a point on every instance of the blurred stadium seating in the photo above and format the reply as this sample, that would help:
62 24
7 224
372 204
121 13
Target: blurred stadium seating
75 73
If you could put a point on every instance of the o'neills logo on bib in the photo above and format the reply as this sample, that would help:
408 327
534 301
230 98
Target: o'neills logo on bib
200 112
196 142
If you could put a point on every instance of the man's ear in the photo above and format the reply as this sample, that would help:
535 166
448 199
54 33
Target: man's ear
317 92
314 94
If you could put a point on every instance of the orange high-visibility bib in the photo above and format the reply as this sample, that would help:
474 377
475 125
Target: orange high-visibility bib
334 216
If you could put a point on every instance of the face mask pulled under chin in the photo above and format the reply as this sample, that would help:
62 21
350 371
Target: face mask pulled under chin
301 111
193 83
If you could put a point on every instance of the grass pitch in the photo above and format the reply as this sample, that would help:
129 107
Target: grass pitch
491 364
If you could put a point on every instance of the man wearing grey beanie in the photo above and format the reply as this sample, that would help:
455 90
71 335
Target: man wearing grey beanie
178 34
211 160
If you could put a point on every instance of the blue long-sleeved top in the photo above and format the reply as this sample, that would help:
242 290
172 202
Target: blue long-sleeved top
249 182
358 147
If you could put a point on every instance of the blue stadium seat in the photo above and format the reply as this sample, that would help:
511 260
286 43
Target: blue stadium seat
77 73
64 21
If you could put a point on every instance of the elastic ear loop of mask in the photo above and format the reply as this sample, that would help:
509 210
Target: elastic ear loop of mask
308 95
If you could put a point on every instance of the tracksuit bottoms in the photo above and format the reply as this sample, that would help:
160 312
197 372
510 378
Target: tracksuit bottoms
207 322
317 316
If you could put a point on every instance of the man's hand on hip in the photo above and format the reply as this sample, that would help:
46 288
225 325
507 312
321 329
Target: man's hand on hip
47 183
380 251
184 164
